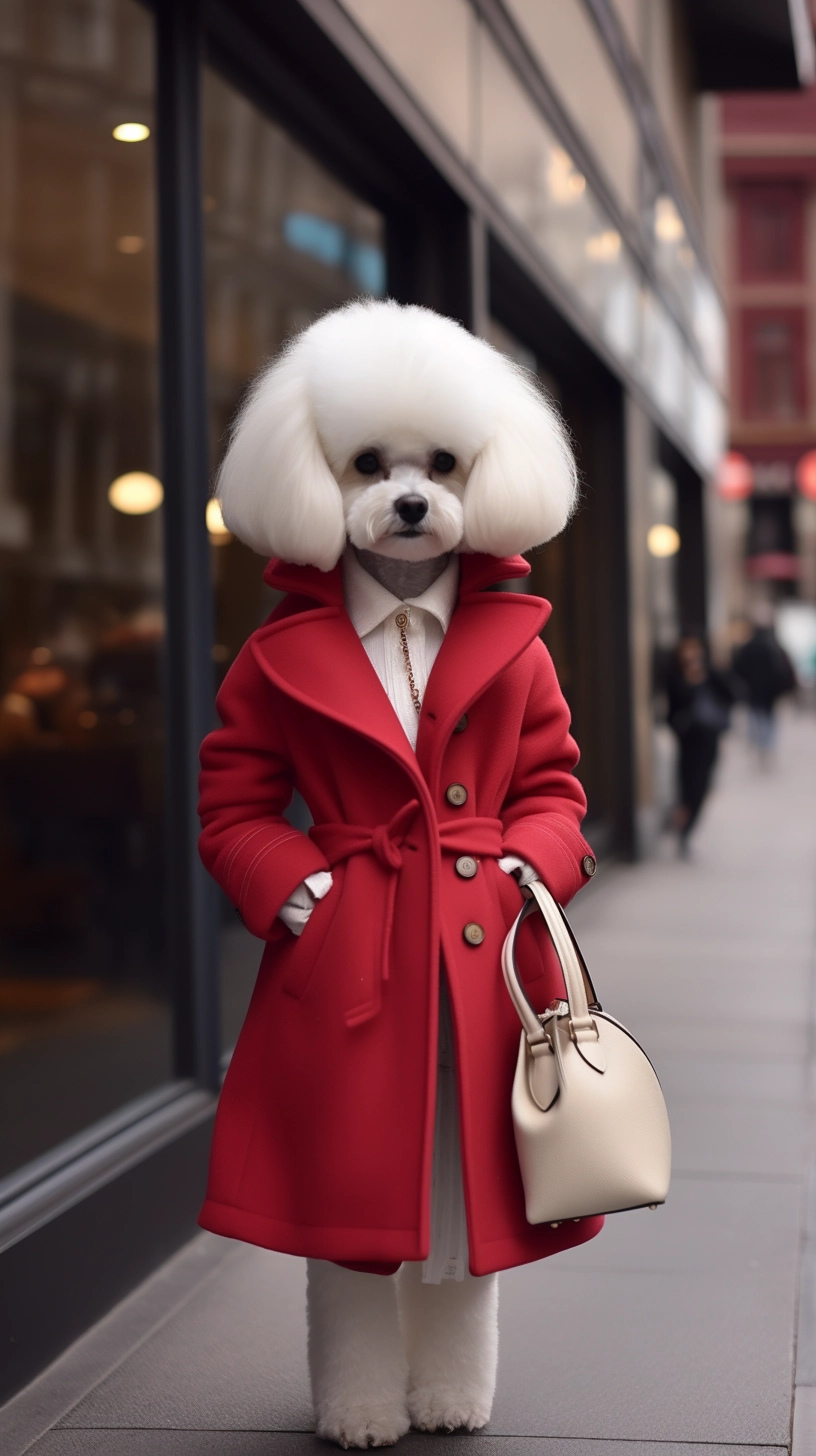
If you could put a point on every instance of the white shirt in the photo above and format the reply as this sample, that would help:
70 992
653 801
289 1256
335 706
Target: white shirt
373 611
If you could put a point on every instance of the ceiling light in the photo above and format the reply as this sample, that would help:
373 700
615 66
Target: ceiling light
130 243
603 247
663 541
668 224
136 494
219 534
131 131
566 184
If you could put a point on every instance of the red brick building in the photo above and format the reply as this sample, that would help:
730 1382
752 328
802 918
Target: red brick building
769 167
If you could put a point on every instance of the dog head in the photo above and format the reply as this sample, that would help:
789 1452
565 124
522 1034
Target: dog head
394 428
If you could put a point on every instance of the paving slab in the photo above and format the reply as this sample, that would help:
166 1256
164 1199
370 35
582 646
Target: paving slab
233 1358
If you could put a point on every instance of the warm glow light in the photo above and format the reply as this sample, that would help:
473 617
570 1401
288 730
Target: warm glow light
131 131
219 535
136 494
603 247
130 243
668 222
663 541
565 183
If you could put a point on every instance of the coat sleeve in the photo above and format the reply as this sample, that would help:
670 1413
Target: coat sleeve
246 782
545 803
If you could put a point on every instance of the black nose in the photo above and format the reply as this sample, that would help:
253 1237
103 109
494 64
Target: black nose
411 509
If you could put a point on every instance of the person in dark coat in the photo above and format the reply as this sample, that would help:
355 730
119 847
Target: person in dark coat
764 667
699 711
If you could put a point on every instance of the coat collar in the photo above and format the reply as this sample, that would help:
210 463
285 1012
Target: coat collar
313 654
476 571
369 604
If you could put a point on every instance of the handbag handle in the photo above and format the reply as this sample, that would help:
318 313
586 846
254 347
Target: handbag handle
576 977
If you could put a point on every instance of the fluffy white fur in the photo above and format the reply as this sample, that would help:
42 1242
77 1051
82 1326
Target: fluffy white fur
452 1342
406 380
357 1363
386 1353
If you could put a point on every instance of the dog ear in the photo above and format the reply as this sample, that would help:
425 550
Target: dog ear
276 490
523 485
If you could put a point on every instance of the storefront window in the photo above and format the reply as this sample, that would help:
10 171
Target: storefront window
84 1011
284 242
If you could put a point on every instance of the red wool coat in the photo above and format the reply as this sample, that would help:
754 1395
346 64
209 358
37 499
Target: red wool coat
324 1135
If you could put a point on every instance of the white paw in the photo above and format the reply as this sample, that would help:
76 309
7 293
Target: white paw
362 1425
444 1408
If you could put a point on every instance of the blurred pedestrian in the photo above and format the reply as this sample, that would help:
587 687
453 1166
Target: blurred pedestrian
699 711
764 667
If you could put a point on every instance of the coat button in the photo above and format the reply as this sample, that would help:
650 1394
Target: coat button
456 794
588 864
466 866
473 933
462 724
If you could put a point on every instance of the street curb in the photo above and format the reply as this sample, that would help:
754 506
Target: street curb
803 1425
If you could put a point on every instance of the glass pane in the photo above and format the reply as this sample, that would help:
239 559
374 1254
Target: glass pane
540 185
284 241
577 64
83 998
429 42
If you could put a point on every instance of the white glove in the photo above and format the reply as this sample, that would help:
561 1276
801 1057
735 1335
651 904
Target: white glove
511 862
295 913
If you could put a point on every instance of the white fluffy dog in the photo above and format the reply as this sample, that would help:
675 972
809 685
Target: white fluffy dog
393 431
374 402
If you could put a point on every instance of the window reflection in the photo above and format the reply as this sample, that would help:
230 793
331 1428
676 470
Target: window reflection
284 242
539 183
84 1019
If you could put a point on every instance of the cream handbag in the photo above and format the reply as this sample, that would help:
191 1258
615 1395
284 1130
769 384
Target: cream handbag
591 1127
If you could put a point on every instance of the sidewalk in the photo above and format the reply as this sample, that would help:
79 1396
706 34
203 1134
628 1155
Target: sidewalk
674 1331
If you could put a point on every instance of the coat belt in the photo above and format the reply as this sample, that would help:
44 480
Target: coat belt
338 842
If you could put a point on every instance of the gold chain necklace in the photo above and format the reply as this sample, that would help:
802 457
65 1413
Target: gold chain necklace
401 620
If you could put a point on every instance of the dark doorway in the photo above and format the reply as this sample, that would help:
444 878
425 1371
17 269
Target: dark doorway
691 558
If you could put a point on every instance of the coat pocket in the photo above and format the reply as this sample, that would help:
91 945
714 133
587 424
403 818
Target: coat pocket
303 956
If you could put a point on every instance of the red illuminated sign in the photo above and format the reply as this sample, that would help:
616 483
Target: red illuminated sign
735 476
806 475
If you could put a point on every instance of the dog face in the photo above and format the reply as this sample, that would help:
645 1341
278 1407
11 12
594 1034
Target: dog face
395 429
404 499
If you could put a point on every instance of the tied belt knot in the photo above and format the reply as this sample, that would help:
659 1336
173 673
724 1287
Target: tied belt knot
339 842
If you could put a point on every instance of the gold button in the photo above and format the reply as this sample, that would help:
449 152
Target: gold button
466 866
462 724
588 864
456 794
473 933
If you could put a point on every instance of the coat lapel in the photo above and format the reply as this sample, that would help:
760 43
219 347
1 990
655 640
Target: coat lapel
313 653
488 631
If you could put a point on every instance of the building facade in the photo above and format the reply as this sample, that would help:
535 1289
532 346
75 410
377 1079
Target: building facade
181 187
768 148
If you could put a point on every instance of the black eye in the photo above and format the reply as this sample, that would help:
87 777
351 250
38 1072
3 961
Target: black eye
443 462
368 463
